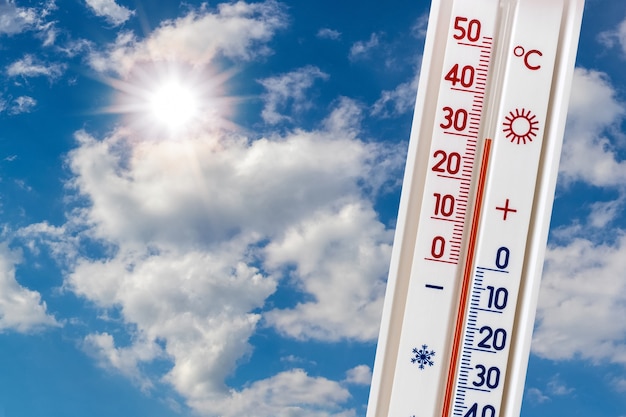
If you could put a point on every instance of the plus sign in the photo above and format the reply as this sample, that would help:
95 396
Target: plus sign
506 209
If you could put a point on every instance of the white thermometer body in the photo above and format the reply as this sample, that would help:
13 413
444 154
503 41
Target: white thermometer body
475 208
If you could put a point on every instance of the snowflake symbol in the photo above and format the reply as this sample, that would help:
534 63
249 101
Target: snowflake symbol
423 356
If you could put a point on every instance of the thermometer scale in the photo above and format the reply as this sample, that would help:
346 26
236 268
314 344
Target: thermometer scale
475 208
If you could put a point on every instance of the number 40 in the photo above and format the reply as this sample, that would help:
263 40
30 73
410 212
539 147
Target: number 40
487 411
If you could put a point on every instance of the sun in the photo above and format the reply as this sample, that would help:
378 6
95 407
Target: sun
174 104
167 100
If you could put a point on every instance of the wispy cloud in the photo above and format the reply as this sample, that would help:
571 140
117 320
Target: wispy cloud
536 396
419 27
361 49
110 10
22 104
15 19
289 90
615 37
30 66
398 101
327 33
557 387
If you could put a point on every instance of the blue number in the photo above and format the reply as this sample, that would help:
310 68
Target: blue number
498 335
498 297
490 377
488 411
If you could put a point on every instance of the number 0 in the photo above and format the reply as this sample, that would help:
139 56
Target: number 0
438 247
502 257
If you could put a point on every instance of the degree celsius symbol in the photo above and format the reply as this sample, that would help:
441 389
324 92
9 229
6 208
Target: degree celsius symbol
520 52
475 208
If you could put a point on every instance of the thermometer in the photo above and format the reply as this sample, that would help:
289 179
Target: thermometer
475 208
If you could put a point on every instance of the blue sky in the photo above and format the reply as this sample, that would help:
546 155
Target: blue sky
228 257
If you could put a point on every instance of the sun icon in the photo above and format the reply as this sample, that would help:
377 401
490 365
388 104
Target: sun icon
520 126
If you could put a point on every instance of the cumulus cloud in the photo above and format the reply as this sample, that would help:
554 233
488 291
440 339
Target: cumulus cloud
125 360
21 309
235 30
290 393
343 248
359 375
30 66
581 295
289 90
588 153
197 233
582 290
110 10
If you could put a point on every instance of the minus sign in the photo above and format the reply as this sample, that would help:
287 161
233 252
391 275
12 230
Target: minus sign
434 287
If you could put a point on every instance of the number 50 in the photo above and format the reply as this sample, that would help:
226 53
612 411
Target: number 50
465 28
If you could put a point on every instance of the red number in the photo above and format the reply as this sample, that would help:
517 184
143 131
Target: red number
466 76
471 30
454 118
438 247
444 205
451 161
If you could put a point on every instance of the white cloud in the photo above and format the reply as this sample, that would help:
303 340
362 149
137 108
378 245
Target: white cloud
420 26
582 290
361 49
235 30
197 302
288 394
582 294
326 33
344 249
21 309
199 231
110 10
397 101
604 212
124 360
15 19
22 104
557 387
588 154
289 90
615 37
619 384
536 396
30 66
359 375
